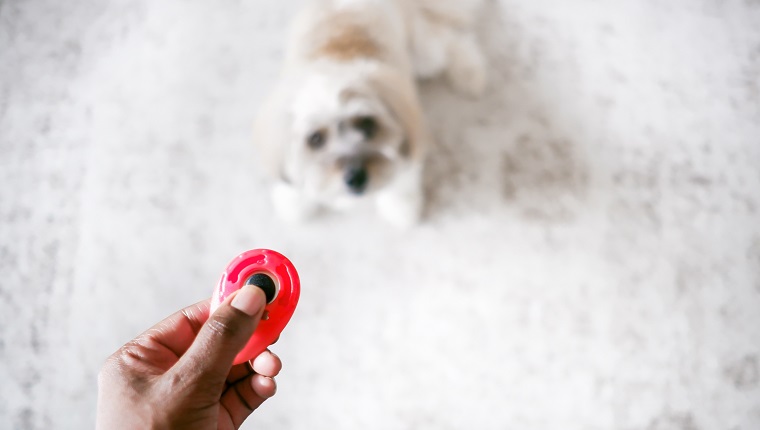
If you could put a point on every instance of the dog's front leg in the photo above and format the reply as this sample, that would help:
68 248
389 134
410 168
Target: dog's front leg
402 202
291 204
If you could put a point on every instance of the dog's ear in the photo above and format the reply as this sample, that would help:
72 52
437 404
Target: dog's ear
399 95
272 133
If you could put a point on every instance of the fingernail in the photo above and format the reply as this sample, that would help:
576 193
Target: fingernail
249 300
264 386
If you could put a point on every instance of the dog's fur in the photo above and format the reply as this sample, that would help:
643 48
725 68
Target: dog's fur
344 122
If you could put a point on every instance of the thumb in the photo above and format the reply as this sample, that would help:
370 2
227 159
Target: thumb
208 360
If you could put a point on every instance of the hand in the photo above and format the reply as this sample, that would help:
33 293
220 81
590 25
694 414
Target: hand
179 374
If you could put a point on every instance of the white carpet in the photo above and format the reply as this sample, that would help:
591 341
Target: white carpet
591 257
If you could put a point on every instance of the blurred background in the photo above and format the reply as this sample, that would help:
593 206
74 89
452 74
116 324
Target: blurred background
590 257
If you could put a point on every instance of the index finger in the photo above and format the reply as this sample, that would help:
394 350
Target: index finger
178 331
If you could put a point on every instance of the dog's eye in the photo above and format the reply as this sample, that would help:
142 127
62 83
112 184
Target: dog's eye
317 139
366 125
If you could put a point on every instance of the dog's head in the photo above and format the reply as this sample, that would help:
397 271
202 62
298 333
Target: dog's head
338 138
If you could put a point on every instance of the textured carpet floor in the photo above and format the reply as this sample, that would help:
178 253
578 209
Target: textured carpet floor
590 259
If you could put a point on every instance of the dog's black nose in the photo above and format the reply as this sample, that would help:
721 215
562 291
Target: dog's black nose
356 178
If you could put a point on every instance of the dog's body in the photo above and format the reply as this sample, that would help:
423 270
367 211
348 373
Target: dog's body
344 123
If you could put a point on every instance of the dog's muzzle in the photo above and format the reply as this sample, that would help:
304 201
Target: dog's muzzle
356 178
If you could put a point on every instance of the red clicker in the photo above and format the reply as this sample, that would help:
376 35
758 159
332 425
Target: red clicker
273 273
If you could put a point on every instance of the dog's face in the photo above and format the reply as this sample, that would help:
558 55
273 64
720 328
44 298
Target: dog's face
345 141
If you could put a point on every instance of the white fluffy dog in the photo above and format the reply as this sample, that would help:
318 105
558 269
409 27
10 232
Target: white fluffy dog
344 123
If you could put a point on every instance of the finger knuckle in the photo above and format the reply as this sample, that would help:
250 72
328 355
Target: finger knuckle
129 354
117 368
225 326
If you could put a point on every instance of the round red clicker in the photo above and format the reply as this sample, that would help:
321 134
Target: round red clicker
274 274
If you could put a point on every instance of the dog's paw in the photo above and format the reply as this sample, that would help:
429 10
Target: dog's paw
466 69
291 205
401 210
